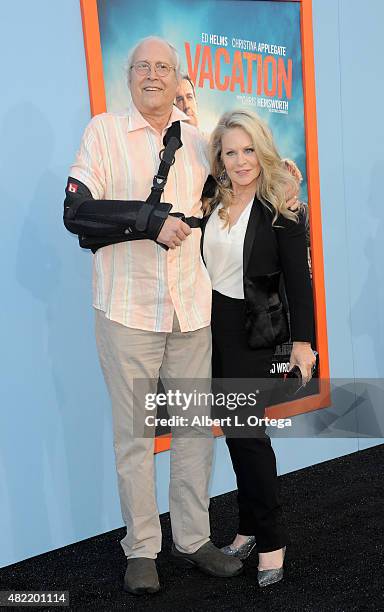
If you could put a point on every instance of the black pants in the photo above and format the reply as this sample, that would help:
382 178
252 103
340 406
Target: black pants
253 458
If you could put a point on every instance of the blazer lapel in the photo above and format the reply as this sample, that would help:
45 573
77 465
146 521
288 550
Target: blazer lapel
204 222
250 234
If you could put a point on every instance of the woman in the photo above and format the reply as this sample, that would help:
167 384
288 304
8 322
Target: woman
250 237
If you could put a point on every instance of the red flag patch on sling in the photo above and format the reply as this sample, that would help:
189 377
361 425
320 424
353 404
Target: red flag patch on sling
73 187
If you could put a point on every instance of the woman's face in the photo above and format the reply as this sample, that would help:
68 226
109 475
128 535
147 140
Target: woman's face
239 158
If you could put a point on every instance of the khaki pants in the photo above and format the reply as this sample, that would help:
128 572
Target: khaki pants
126 354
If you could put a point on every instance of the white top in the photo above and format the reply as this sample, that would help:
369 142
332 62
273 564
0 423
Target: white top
223 252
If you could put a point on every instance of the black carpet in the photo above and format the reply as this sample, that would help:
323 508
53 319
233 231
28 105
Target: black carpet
335 515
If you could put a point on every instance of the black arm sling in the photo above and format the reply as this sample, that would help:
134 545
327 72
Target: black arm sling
100 223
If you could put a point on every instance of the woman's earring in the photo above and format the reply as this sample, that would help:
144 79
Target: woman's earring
223 176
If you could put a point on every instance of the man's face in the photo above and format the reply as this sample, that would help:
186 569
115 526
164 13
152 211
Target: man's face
151 93
186 101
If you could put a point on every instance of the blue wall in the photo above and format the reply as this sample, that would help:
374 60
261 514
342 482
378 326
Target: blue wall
57 479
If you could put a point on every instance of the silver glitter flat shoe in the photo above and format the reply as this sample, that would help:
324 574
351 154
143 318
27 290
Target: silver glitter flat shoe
270 576
241 552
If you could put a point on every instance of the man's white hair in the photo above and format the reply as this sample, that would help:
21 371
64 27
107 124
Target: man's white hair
132 52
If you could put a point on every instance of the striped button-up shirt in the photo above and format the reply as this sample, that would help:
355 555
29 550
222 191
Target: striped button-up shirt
137 283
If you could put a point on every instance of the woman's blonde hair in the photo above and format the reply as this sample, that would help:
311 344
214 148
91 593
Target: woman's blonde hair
274 181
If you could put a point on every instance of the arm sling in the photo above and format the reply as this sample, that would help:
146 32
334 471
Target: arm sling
100 223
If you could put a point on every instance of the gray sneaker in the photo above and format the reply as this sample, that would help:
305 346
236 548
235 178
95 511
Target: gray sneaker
141 576
211 560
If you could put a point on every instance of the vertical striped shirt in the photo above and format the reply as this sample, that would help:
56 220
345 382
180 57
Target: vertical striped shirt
137 283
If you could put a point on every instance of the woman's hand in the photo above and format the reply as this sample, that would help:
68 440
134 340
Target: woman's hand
303 356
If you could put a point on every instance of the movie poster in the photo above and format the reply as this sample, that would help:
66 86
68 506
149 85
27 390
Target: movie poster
234 54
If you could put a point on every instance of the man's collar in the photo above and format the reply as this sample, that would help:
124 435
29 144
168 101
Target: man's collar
138 122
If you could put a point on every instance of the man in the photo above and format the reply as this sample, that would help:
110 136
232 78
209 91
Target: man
153 313
186 99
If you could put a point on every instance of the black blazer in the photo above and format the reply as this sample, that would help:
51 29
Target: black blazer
271 252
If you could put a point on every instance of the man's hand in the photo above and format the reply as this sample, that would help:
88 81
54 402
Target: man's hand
292 199
293 204
173 232
292 192
291 196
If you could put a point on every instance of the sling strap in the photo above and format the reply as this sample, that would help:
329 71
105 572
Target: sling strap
172 143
